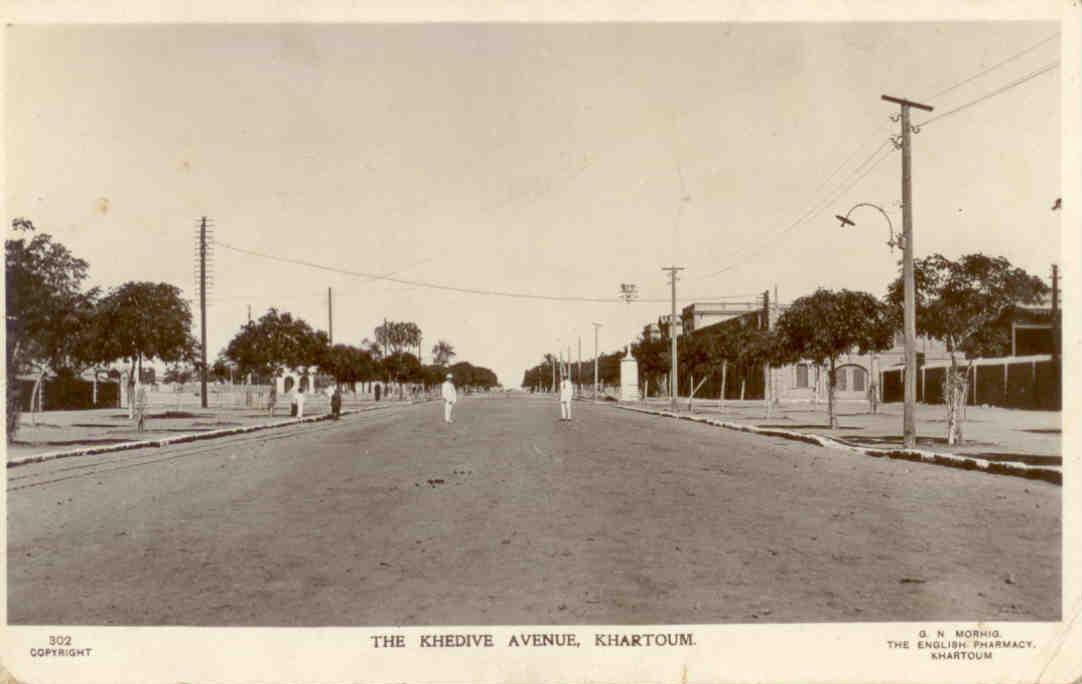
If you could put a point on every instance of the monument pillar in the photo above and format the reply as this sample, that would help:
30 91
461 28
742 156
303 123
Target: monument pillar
629 377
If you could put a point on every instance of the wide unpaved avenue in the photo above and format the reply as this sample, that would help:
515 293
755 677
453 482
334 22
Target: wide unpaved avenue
509 516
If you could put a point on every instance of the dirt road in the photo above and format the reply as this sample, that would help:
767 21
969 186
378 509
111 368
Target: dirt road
509 516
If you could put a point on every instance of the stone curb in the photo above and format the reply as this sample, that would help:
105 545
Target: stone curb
963 462
181 439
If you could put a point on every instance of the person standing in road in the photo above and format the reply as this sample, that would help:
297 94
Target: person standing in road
299 398
566 393
336 403
450 396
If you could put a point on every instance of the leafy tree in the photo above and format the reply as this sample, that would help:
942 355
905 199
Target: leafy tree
540 377
823 326
48 316
654 360
402 367
468 376
143 320
348 364
696 358
394 337
966 304
275 343
442 353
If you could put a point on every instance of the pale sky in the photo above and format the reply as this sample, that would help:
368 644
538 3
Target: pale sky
540 159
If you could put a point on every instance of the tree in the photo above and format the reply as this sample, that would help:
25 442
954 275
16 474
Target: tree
654 359
468 376
397 336
696 360
966 304
348 364
48 316
442 353
274 343
143 320
401 367
823 326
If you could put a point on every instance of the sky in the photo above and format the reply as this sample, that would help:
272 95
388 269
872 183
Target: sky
555 160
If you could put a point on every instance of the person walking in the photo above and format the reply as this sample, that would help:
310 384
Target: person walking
141 408
272 397
566 393
336 403
450 396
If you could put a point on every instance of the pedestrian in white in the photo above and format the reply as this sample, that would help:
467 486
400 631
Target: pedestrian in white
450 396
566 393
300 403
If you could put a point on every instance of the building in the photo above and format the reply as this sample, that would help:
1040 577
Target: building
699 315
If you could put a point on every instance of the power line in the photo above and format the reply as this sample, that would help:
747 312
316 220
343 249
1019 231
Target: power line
994 67
453 288
1013 84
813 211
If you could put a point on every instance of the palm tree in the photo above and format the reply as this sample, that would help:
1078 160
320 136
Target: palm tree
442 353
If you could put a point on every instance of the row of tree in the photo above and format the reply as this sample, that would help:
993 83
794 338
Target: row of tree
278 342
966 304
55 325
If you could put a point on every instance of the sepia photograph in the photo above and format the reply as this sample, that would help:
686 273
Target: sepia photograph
596 340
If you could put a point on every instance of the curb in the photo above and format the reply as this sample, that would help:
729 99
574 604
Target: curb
949 460
182 439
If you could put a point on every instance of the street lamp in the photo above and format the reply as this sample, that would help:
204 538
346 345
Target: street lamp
904 240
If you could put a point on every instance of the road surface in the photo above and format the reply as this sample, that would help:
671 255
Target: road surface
509 516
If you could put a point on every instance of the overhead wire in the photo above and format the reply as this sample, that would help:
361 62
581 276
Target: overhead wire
811 212
1017 82
998 91
452 288
995 66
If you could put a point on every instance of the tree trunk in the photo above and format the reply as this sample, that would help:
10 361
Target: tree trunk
35 397
743 383
691 392
131 390
830 397
955 394
724 378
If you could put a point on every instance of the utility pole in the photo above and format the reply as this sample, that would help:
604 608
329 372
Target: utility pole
330 318
203 311
596 326
249 313
673 385
578 372
909 423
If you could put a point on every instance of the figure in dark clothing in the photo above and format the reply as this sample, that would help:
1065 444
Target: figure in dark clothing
336 403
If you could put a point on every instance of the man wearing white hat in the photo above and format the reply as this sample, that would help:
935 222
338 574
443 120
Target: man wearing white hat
567 392
449 398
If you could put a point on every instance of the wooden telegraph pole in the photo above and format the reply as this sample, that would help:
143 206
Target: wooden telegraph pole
203 311
909 422
673 386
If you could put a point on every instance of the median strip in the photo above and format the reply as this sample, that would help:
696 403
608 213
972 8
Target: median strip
181 439
1016 469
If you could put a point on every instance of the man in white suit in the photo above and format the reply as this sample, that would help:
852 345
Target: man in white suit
566 394
450 396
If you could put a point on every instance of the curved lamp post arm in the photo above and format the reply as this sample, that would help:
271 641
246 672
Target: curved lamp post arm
892 242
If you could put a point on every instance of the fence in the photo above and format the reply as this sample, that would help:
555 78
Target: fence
70 394
1024 382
